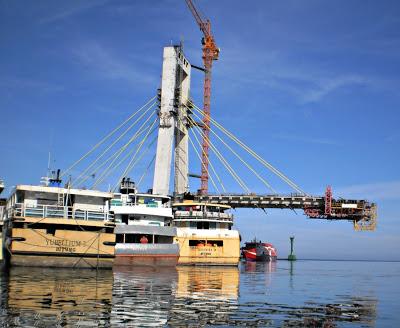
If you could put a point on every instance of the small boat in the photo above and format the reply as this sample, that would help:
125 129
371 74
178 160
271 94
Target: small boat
259 251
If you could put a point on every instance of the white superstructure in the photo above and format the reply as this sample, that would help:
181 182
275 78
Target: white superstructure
144 235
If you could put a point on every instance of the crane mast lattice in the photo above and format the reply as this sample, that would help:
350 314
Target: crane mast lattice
210 53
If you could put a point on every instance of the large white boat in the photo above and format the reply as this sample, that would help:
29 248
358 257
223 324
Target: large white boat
51 226
205 234
144 235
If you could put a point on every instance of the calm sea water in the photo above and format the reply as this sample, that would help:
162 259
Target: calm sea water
281 294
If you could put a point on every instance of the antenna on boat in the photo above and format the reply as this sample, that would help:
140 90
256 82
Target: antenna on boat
48 164
55 180
46 179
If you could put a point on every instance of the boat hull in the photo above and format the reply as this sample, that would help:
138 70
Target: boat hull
250 255
81 262
60 243
257 251
209 249
155 255
146 260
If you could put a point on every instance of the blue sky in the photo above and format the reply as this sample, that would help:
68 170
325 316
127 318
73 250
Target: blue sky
311 86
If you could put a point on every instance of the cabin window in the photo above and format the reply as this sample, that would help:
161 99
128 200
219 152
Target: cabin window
163 239
225 226
69 200
203 225
198 242
135 238
129 238
218 243
206 225
119 238
19 197
124 218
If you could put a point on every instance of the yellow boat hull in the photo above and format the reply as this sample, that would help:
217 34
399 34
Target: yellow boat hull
209 250
62 243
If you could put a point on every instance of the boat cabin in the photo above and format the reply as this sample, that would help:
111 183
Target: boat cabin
205 234
207 216
143 209
144 235
63 203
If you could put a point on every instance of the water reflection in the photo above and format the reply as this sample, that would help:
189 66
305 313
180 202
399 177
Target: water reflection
174 296
143 296
34 296
255 294
264 309
205 296
266 267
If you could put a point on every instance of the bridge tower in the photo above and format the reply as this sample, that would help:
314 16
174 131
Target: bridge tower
172 132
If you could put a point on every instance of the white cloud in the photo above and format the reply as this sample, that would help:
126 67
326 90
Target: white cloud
316 140
376 191
28 83
106 64
273 69
326 86
72 10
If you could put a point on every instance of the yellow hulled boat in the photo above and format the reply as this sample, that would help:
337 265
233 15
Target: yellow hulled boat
205 234
59 227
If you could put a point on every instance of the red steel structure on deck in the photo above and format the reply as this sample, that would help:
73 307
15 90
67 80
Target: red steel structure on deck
328 201
210 53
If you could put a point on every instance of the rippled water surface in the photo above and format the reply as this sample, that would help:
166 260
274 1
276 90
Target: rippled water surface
281 294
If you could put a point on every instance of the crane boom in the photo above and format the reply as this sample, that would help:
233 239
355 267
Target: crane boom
210 53
203 25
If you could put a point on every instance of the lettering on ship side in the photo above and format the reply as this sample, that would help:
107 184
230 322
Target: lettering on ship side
64 245
206 252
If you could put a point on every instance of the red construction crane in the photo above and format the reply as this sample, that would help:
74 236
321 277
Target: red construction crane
210 53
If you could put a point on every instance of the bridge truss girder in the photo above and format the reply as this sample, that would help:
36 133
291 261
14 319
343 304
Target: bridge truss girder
361 212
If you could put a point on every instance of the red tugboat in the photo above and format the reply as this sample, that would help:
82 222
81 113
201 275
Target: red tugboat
258 251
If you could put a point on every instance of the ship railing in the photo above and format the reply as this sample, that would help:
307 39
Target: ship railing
204 215
150 205
60 212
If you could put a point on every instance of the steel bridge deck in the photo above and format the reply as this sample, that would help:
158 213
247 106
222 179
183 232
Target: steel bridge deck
361 212
263 201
